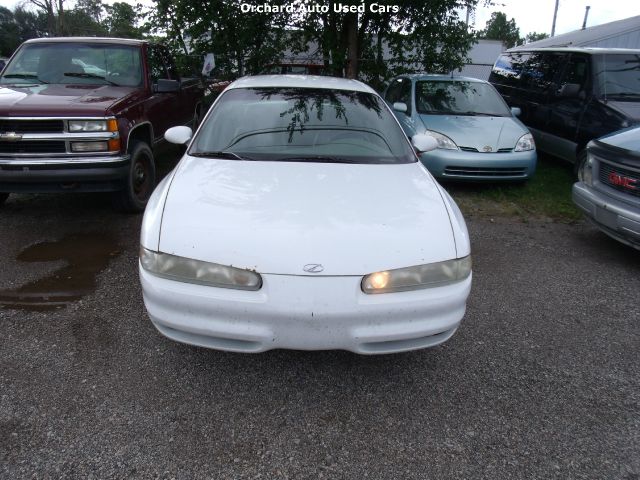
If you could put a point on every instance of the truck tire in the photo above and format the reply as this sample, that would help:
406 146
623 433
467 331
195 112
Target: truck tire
140 182
3 197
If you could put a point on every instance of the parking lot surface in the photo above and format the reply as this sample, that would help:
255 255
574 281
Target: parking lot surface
541 380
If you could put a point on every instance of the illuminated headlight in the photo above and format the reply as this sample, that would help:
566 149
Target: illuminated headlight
585 172
525 143
88 126
89 146
418 277
443 141
188 270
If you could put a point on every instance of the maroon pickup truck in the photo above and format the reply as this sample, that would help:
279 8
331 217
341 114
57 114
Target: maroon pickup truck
84 114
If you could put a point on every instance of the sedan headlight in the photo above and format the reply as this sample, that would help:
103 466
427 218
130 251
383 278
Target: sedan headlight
525 143
418 277
443 141
188 270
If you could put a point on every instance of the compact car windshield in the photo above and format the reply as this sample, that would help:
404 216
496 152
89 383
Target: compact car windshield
302 125
617 75
459 98
74 63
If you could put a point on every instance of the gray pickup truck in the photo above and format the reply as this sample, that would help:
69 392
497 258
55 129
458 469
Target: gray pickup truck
609 188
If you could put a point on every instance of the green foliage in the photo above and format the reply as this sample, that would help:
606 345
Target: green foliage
241 42
121 21
535 36
420 35
547 194
499 28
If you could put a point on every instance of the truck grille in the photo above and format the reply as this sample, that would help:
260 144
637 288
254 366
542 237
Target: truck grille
31 126
621 179
31 146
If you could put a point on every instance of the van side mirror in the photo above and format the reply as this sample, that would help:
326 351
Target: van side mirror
569 90
400 107
515 111
167 86
424 143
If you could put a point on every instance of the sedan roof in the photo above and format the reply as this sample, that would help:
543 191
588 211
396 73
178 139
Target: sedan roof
301 81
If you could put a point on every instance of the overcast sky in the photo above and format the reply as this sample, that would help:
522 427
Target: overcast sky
530 15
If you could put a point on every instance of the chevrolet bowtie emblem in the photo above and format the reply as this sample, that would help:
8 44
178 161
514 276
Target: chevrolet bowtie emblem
10 137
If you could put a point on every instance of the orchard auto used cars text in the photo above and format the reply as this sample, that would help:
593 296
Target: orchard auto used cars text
315 8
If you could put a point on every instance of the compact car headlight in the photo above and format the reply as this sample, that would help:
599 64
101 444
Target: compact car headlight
188 270
443 141
525 143
418 277
585 172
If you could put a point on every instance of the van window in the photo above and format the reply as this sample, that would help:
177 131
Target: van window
541 70
577 72
508 68
616 75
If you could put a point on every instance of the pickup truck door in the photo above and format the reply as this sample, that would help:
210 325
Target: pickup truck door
164 109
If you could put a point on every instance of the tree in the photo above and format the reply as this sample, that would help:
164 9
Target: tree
417 34
121 21
241 41
499 28
535 36
9 34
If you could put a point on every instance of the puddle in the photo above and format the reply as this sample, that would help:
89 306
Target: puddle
85 256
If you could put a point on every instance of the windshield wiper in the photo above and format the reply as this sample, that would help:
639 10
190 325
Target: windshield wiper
23 75
479 114
320 159
89 75
623 94
219 154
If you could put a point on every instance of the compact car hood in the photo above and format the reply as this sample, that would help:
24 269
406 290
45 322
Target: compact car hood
277 217
66 100
477 132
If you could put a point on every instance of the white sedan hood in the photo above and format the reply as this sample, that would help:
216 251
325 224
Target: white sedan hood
277 217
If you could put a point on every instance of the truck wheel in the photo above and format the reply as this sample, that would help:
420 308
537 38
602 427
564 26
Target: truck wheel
140 182
3 197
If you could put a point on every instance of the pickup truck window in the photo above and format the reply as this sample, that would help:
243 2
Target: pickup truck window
75 63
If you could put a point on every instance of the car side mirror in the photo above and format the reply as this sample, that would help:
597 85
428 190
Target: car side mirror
569 90
400 107
424 143
516 112
167 86
178 135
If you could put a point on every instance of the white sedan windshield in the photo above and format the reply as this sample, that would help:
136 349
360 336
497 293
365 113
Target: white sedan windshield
302 124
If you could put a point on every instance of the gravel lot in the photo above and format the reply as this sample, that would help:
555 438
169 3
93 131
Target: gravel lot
541 381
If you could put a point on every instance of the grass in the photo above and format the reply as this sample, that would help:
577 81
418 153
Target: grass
547 194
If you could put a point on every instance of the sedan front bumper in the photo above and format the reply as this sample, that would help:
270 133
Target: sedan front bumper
475 166
617 219
304 313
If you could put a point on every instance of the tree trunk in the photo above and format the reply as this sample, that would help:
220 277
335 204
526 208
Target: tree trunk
351 27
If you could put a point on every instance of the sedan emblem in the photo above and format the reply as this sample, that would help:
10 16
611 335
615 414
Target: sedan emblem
487 149
10 137
313 268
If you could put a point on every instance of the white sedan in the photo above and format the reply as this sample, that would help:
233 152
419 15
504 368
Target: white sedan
301 218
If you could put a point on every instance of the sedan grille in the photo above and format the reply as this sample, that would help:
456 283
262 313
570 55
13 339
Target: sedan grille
485 171
31 126
30 146
621 179
475 150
